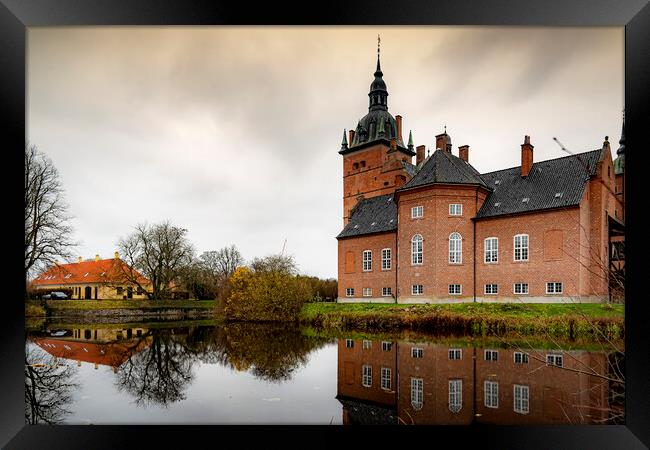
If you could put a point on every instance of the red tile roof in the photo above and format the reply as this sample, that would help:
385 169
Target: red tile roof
101 271
112 354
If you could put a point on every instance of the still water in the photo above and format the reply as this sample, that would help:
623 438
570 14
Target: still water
281 374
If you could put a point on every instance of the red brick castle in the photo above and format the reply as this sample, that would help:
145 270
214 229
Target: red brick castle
441 231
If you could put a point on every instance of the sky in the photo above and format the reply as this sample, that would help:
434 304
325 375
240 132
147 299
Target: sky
233 132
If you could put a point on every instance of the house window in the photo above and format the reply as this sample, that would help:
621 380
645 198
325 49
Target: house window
455 248
367 260
521 358
455 209
386 346
386 292
417 212
491 289
521 288
366 380
554 360
491 355
454 289
386 262
367 345
491 391
417 393
455 395
521 247
491 250
417 289
349 292
416 250
521 402
367 292
119 290
385 378
554 288
455 353
416 352
349 343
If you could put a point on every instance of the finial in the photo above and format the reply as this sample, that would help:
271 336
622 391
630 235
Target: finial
344 142
378 65
410 145
445 129
606 138
428 152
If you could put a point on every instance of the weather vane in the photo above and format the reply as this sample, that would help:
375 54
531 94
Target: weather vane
378 42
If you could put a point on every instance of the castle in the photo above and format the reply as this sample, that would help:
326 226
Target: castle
439 231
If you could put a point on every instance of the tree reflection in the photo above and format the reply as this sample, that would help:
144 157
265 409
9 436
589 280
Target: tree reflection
48 387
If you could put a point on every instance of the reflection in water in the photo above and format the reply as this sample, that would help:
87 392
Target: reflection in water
423 383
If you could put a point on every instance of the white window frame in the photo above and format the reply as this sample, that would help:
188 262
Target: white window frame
366 375
367 345
453 352
455 248
349 343
417 289
417 352
386 291
417 212
386 376
367 260
386 346
494 291
455 209
521 399
367 292
417 250
553 358
349 292
491 394
554 286
520 247
455 395
386 259
417 393
492 353
460 289
514 288
523 357
491 250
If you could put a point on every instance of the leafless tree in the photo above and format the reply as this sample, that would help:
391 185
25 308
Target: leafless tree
48 234
275 263
221 264
159 252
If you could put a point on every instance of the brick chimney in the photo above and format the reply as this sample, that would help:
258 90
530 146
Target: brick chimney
96 257
80 259
351 133
463 152
419 154
526 157
393 144
117 255
398 119
440 142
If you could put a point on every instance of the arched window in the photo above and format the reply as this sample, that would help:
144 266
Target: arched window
417 393
416 250
455 248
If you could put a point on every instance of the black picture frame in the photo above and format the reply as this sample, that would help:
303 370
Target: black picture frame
17 15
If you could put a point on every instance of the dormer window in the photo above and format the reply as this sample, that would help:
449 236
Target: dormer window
525 200
559 194
497 181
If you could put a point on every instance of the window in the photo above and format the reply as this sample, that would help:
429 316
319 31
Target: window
417 289
491 394
455 395
386 292
417 212
521 358
455 209
491 355
521 247
367 345
554 288
491 250
455 353
367 260
521 288
386 262
417 393
119 290
416 250
366 379
349 343
367 292
455 248
386 346
416 352
521 399
349 292
554 360
491 289
454 289
385 378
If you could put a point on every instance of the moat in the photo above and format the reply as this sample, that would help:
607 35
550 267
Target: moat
242 373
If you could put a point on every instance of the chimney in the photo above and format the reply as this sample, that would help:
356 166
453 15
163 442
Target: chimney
351 134
96 257
526 157
606 144
463 152
419 154
80 259
117 255
398 119
440 142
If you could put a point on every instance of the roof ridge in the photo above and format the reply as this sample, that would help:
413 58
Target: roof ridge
544 160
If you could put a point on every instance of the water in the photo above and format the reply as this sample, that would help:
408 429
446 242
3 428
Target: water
280 374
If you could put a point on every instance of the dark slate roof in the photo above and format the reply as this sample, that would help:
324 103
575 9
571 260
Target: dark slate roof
443 167
410 168
567 175
363 413
372 215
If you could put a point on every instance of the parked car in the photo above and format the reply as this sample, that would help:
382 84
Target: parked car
56 295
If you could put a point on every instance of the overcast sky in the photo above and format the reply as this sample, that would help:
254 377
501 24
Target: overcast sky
233 132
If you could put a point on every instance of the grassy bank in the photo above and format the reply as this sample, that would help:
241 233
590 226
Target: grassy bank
91 305
478 319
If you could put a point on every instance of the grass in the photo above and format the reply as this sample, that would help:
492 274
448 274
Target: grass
91 305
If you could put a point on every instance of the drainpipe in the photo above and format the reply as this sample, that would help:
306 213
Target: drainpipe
474 240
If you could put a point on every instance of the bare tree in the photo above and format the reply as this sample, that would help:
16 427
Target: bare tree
48 235
222 263
159 252
275 263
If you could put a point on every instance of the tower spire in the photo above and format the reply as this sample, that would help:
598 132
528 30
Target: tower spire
378 51
621 148
344 142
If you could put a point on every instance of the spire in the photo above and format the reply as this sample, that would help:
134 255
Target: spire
378 93
410 145
621 148
378 51
344 142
